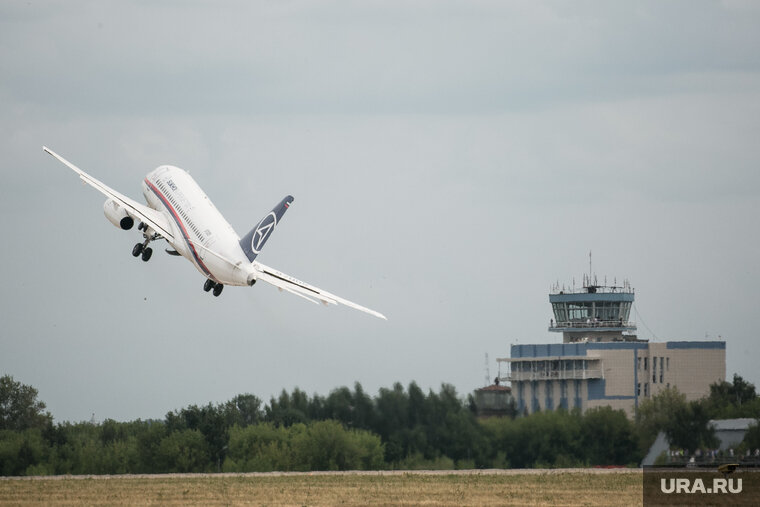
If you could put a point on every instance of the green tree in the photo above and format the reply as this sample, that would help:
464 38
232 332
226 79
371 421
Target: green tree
353 409
19 407
261 447
752 437
21 450
339 406
733 399
210 421
364 408
551 438
149 437
417 405
326 445
183 451
284 411
689 428
392 420
243 410
656 413
608 438
452 429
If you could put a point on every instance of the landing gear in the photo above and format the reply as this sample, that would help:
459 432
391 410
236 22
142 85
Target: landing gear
210 284
143 248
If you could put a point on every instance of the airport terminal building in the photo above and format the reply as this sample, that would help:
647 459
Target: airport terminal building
600 362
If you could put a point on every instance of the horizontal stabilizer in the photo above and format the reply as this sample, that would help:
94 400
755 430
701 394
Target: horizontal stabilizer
303 289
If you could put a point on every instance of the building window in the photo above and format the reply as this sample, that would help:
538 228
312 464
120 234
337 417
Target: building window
646 389
638 389
579 312
645 363
654 376
638 363
667 363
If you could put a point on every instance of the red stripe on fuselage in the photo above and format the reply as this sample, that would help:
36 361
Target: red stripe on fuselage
177 219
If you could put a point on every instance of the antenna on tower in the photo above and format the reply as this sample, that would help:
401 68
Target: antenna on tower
590 272
487 372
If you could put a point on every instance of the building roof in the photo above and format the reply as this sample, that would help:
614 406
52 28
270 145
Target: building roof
547 358
495 387
741 424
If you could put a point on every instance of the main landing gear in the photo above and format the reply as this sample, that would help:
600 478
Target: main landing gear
210 284
142 249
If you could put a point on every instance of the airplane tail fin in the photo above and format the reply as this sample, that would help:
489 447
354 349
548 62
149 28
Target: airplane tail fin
253 242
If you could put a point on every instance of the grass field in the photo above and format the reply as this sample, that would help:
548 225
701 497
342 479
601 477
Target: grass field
510 487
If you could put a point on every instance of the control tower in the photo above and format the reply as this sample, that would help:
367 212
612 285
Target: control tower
601 362
593 313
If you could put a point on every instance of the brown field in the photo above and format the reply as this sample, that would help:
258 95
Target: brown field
488 487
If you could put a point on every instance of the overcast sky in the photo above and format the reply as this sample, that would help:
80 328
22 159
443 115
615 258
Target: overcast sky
449 160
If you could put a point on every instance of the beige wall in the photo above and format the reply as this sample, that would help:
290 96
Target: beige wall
691 371
618 371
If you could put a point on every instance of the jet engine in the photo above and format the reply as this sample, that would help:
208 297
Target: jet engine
117 215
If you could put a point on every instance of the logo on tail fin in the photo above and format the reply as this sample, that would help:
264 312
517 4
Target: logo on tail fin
262 232
253 242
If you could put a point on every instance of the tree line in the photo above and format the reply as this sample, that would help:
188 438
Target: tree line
399 428
686 423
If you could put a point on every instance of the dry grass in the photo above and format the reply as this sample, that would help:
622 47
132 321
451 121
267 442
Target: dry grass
554 488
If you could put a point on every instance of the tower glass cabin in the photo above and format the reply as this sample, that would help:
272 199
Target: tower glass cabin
594 313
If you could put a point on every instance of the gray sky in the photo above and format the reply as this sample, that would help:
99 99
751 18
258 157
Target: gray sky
449 161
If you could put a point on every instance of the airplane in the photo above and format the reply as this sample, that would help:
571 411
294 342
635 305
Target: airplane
179 212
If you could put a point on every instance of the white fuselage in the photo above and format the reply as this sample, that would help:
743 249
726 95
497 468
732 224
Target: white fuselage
201 234
182 214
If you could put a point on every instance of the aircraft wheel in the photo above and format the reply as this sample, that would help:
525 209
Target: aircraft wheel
208 285
218 289
137 250
146 253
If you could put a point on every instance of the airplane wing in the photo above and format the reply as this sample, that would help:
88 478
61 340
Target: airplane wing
155 219
304 290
